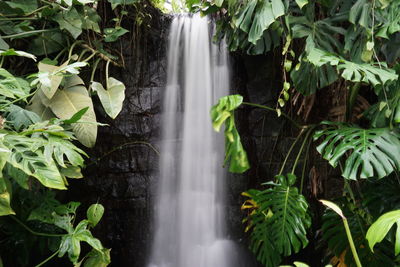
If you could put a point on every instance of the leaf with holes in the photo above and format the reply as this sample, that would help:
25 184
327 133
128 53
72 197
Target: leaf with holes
223 112
370 152
279 221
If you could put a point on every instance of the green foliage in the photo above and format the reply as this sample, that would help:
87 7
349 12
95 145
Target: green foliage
278 220
44 108
221 113
380 228
348 52
111 98
371 152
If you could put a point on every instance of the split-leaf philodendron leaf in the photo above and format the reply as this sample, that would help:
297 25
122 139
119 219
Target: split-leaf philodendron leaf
221 113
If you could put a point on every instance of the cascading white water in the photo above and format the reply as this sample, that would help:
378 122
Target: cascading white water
189 218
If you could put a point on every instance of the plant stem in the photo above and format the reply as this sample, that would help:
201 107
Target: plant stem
47 259
22 34
94 68
274 110
34 232
290 151
121 146
309 131
351 242
16 100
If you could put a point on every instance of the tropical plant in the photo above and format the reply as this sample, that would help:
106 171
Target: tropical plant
344 50
49 54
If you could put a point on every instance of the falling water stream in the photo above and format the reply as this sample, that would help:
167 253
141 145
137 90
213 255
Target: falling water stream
189 221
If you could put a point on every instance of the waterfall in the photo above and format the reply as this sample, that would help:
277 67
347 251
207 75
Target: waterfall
189 221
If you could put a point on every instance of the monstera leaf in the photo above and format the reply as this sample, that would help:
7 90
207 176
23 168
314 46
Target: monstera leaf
26 157
278 220
255 17
234 151
370 152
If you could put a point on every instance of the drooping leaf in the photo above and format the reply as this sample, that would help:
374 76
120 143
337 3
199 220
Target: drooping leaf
112 98
360 13
370 152
380 228
95 213
221 113
12 52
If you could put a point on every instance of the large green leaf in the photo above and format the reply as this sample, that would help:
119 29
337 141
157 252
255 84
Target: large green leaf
112 98
380 228
20 118
221 113
368 152
26 157
360 13
352 71
279 220
73 98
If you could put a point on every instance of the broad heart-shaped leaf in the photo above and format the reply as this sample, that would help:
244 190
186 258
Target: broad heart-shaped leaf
279 221
73 98
52 80
21 118
26 157
94 214
112 98
381 227
368 152
234 151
